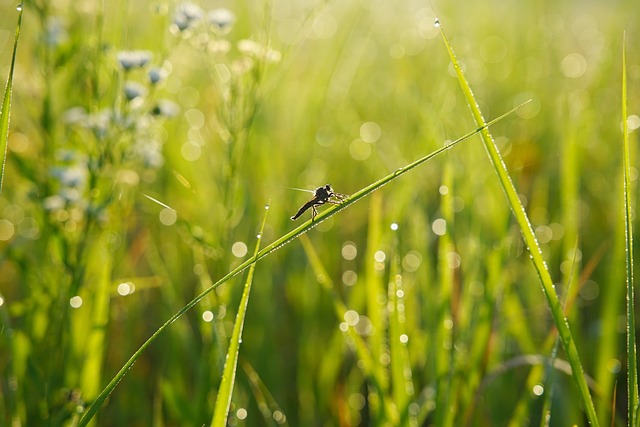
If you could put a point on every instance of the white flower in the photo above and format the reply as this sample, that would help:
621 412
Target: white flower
156 75
149 151
187 15
134 90
222 20
71 195
53 203
249 47
165 108
55 33
129 59
75 115
99 122
256 50
73 176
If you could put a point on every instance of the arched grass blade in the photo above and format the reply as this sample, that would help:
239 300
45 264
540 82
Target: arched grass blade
267 404
529 238
303 228
225 391
6 101
632 368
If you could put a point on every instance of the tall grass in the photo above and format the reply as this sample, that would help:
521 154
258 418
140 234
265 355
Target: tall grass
5 114
632 370
141 153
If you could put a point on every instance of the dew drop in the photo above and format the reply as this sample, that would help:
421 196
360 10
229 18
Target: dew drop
266 207
538 389
259 236
437 23
76 301
19 8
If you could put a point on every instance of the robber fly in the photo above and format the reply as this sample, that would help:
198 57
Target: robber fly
321 196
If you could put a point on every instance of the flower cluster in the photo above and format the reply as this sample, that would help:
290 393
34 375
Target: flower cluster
188 17
70 182
131 59
125 137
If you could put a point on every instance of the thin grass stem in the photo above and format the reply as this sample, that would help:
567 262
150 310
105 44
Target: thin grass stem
632 368
225 391
6 101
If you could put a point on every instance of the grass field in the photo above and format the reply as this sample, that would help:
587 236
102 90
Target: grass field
147 137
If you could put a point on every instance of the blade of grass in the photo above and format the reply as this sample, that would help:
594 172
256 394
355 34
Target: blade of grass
632 368
373 283
97 318
267 404
225 391
444 348
529 238
6 101
549 375
400 369
303 228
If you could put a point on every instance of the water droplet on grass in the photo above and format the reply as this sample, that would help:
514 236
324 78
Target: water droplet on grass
19 8
436 23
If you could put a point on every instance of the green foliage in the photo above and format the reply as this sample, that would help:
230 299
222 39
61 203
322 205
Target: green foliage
146 137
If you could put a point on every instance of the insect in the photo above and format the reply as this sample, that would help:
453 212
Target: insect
321 196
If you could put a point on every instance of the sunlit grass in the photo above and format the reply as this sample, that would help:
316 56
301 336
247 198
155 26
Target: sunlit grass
128 221
632 371
5 114
225 392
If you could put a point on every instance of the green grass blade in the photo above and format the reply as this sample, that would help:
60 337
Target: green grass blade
95 336
444 348
376 310
6 101
400 369
632 369
303 228
225 391
529 238
267 404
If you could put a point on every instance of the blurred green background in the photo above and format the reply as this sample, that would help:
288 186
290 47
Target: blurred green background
123 198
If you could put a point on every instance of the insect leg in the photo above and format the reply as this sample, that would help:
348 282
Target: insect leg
337 198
